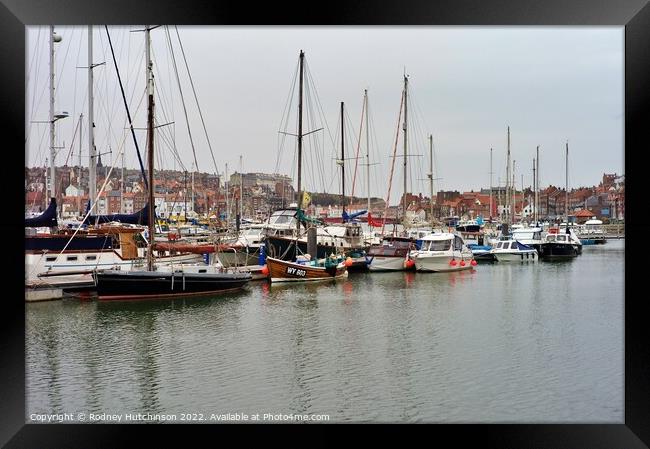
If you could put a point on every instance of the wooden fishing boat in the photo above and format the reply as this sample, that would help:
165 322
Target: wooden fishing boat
286 271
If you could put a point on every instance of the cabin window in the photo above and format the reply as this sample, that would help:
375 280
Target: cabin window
513 245
50 259
458 243
499 245
537 235
561 238
71 258
440 245
93 257
203 270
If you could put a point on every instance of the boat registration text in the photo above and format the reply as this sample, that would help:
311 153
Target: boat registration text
296 271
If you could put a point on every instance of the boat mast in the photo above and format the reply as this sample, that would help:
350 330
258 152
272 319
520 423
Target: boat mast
122 187
534 192
342 158
507 198
490 184
301 64
406 82
227 188
514 191
92 151
241 188
52 119
566 201
537 187
150 91
365 95
431 177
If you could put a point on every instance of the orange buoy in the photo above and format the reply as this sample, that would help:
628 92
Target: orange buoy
453 262
474 263
409 263
265 270
349 262
462 263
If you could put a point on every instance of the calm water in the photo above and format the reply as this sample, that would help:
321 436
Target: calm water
535 343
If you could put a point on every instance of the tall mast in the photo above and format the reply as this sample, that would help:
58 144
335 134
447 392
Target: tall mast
514 191
365 95
522 195
490 184
226 185
342 158
534 193
566 201
122 187
431 177
406 83
52 119
150 161
241 188
92 151
192 203
537 187
81 116
301 64
507 199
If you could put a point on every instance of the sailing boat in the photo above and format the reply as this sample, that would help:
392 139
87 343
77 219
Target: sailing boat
304 267
558 243
68 257
167 281
393 254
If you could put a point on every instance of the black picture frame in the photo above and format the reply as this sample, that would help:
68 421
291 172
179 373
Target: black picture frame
633 14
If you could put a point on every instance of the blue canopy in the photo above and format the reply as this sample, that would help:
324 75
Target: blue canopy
141 217
47 218
347 218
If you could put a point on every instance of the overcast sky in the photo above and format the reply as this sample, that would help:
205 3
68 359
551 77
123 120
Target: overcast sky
466 86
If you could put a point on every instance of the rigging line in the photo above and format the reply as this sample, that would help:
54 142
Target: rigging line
35 51
180 90
286 113
312 145
356 163
65 58
72 143
196 99
318 102
392 166
35 67
94 205
350 141
135 141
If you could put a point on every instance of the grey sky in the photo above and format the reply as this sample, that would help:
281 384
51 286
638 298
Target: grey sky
549 84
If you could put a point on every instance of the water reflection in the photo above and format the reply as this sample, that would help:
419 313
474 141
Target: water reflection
502 342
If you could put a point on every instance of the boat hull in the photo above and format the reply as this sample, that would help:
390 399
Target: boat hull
387 263
285 271
558 250
522 256
439 264
123 285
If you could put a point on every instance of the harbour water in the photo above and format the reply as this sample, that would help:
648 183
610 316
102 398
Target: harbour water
536 342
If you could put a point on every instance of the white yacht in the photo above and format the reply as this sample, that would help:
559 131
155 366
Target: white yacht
508 249
442 251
